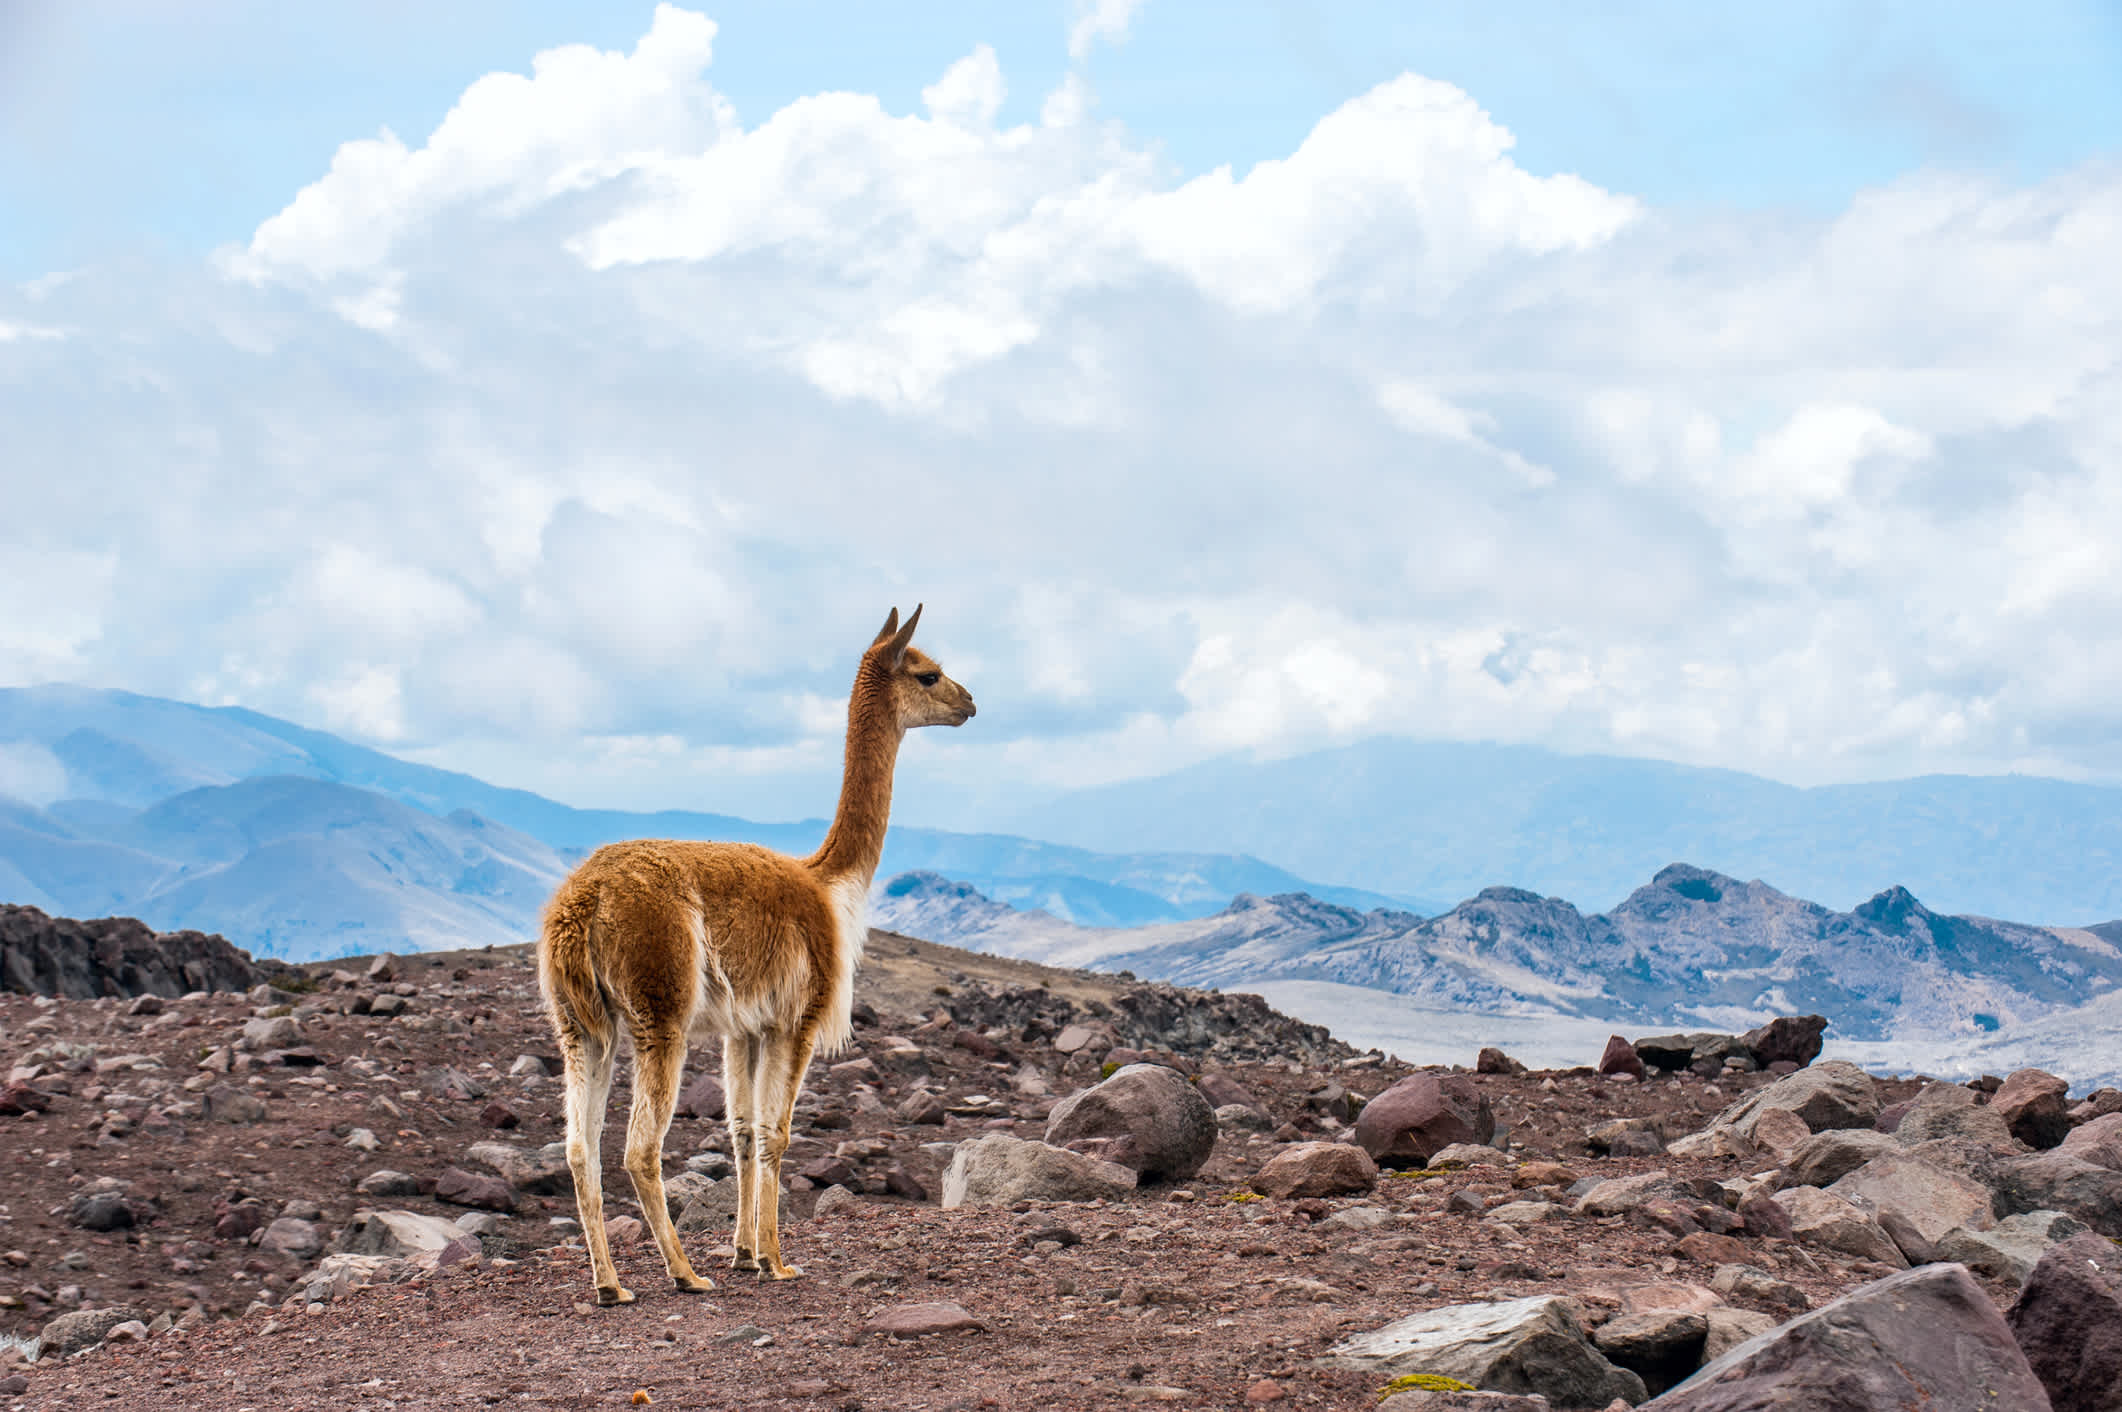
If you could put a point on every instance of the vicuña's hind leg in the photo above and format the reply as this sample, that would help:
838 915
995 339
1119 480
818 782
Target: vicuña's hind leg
788 1057
659 1061
739 1062
587 1069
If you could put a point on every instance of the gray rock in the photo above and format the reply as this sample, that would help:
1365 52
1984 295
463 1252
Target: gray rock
1830 1095
395 1234
528 1066
1423 1114
1746 1282
1729 1327
1317 1169
1237 1117
1627 1137
2058 1181
385 1182
1916 1203
299 1240
1951 1111
224 1104
2010 1249
1827 1220
2068 1322
1620 1195
1923 1338
1467 1154
1145 1117
275 1032
84 1328
998 1169
1530 1345
541 1172
1825 1158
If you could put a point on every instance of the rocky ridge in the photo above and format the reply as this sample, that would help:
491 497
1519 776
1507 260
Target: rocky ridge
1690 946
1023 1187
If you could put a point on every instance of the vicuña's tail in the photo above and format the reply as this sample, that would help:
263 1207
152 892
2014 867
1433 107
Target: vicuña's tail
567 971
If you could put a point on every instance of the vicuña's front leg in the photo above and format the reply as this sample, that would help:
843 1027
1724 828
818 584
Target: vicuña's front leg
788 1059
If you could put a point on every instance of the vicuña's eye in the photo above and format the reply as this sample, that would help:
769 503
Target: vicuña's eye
929 678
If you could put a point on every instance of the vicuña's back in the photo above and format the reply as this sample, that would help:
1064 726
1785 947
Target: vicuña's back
668 940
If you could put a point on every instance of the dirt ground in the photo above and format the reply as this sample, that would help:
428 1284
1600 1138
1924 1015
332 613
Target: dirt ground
1197 1294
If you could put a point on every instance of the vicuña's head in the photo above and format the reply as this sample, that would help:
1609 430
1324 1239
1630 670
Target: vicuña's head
920 694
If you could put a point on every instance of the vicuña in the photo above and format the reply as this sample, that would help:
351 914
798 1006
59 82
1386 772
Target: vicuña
667 940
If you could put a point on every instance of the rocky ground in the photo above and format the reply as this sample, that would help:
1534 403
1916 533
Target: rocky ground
339 1193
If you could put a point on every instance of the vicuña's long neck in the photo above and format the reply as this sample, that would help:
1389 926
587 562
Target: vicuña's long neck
855 842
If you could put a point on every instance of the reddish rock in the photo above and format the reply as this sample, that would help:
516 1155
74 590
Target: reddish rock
2068 1321
2034 1106
1787 1039
1317 1169
1221 1090
1145 1116
1495 1061
19 1098
702 1098
2098 1104
922 1106
498 1115
2098 1142
1927 1337
1713 1249
1264 1391
1621 1058
913 1320
461 1188
1424 1114
828 1171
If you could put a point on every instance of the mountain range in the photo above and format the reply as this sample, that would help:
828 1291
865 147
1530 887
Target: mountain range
1691 948
295 843
1443 821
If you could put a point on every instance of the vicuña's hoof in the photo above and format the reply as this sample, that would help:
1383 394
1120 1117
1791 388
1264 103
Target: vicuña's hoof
779 1271
693 1284
614 1294
745 1261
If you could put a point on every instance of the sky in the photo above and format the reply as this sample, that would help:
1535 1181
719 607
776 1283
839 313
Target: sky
565 392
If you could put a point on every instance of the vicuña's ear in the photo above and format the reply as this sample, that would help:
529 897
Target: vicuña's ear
903 638
891 625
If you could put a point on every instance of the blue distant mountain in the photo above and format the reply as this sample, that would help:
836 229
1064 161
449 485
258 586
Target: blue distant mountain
1446 820
295 843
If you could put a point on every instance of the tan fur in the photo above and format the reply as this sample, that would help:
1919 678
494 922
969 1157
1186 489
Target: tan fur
668 940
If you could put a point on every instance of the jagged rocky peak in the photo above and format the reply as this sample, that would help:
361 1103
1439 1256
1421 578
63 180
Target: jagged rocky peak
924 884
1894 910
1695 884
119 956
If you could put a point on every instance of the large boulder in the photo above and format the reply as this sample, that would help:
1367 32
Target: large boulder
2068 1321
1787 1039
543 1172
1825 1158
1830 1095
395 1233
1532 1345
1828 1220
41 955
1953 1111
1923 1338
1915 1203
2098 1141
1620 1057
1145 1117
84 1328
2010 1249
2058 1181
296 1239
1423 1114
1661 1346
1317 1169
998 1169
2035 1107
